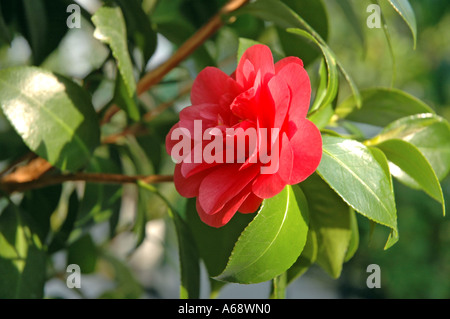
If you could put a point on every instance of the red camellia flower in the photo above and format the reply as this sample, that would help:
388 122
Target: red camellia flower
245 136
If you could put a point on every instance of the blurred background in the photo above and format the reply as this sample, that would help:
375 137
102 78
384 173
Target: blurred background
418 266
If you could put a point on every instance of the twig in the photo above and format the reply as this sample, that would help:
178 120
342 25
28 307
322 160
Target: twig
15 186
187 48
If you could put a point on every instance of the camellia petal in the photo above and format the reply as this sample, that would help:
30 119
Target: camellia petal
254 138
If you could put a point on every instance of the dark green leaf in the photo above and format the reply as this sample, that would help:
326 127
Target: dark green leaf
381 106
22 257
61 236
83 253
272 242
5 33
306 258
40 205
356 175
215 244
314 13
53 115
330 220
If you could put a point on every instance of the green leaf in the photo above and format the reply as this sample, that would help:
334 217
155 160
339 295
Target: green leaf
244 44
285 17
409 166
5 33
272 242
330 220
329 94
40 205
126 102
61 236
314 13
381 106
215 244
306 258
188 252
53 115
356 175
111 29
405 10
428 132
83 253
22 256
139 27
353 19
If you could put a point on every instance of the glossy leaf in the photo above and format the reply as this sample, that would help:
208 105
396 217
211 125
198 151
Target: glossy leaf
365 187
111 29
272 242
404 9
428 132
381 106
22 257
330 220
53 115
215 244
412 168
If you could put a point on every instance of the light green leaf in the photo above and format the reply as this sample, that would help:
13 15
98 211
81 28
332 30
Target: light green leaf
244 44
111 29
381 106
53 115
429 132
272 242
404 9
412 168
328 95
330 220
139 27
22 257
353 172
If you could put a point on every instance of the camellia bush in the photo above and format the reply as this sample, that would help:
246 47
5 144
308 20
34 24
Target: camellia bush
251 136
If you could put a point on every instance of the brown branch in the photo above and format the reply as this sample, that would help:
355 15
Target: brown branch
187 48
18 186
33 174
